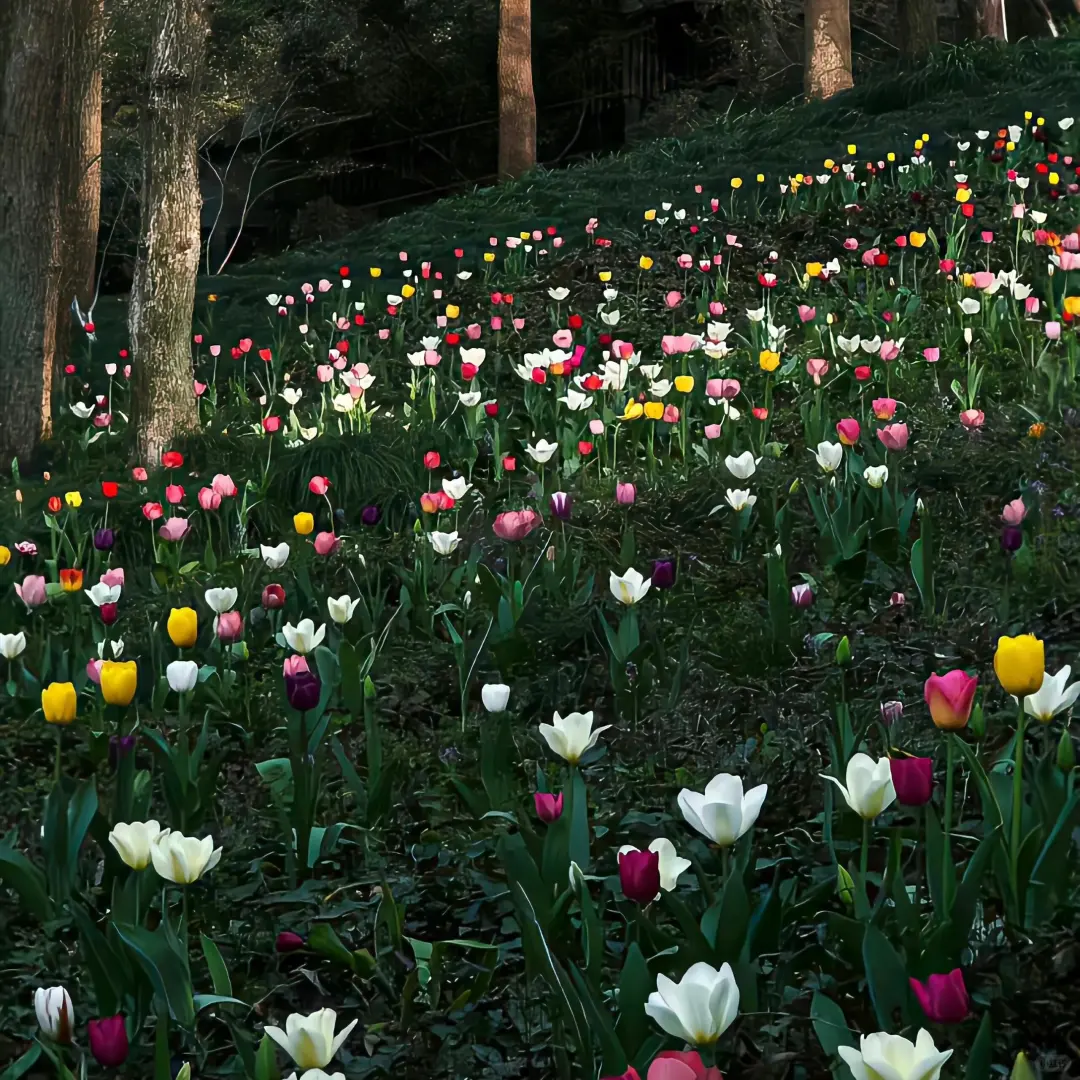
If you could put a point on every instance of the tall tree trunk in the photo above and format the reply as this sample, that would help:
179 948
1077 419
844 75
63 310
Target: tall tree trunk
918 27
983 18
80 201
31 152
828 48
517 103
167 260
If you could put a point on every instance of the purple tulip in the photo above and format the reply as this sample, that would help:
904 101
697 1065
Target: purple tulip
802 596
303 690
562 505
1012 539
663 573
639 875
104 539
371 515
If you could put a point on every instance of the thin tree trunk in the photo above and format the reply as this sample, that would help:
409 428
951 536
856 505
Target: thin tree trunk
31 152
983 18
80 202
918 27
517 103
828 48
167 259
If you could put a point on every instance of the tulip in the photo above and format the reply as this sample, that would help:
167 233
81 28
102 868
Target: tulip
848 431
891 712
55 1013
802 595
59 702
32 591
1052 697
625 494
108 1041
739 500
639 875
370 515
303 638
1019 664
183 627
1012 539
869 788
700 1007
972 418
273 597
183 859
669 865
220 600
309 1074
174 529
680 1065
303 690
949 698
303 523
495 696
742 467
134 841
884 408
119 680
287 942
829 455
274 557
913 779
881 1055
341 609
310 1040
209 499
663 574
223 485
561 505
326 543
516 524
104 539
12 645
572 735
629 588
894 436
182 675
722 813
444 543
548 807
229 626
1014 512
944 998
876 475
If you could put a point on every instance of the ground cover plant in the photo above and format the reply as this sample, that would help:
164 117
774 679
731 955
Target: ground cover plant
612 649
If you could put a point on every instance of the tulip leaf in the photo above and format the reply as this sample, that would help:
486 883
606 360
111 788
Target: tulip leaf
733 919
204 1001
886 979
521 870
830 1027
1052 868
164 967
966 899
496 758
22 1065
981 1057
100 959
935 844
613 1056
219 973
266 1067
635 985
20 874
578 813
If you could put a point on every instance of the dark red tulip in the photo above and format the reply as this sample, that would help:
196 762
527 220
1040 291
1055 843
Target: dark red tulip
639 875
944 998
913 778
288 942
108 1041
273 597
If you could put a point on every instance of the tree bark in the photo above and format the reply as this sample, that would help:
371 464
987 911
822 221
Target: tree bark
31 152
80 201
828 48
517 102
918 27
164 406
983 18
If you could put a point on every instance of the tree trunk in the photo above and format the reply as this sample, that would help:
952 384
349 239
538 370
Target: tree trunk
918 27
983 18
828 48
517 103
31 152
167 259
80 201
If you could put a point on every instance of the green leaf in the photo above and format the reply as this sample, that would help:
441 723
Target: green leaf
635 985
266 1067
219 973
886 979
830 1027
204 1001
613 1059
981 1057
20 874
579 821
164 967
22 1065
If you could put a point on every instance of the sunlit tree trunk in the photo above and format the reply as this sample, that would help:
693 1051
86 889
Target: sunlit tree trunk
167 259
828 48
31 153
918 27
982 18
517 103
80 201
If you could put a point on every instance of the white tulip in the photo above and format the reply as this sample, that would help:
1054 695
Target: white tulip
134 841
183 859
314 1074
469 398
182 675
970 306
82 411
12 645
114 645
292 395
571 735
876 475
543 451
739 500
630 587
274 557
495 696
869 786
559 293
303 638
456 488
55 1013
1052 697
722 813
671 865
829 455
341 609
310 1040
103 594
742 467
882 1056
444 543
576 401
700 1007
220 600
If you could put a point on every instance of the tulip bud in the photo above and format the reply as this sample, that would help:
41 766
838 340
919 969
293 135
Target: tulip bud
55 1013
1022 1069
802 596
663 574
273 597
287 942
795 485
977 723
549 807
1066 754
184 1072
843 652
891 712
495 696
577 878
109 1041
639 875
303 690
844 886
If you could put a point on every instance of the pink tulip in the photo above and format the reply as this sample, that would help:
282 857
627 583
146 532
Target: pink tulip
473 331
318 485
944 998
932 355
209 499
893 436
1018 210
807 313
816 369
516 524
889 350
32 591
1070 260
548 807
114 576
326 543
563 339
296 665
972 418
681 1065
519 324
215 350
673 344
103 419
174 494
625 494
1014 512
851 244
716 308
223 485
848 430
1071 241
496 322
671 414
673 299
897 599
869 256
712 431
93 670
949 698
174 528
723 388
229 627
1031 305
884 407
200 388
1052 331
984 279
596 427
324 373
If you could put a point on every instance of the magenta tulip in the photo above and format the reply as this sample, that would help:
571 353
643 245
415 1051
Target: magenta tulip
625 494
913 779
944 998
949 698
848 430
287 942
548 806
639 875
108 1041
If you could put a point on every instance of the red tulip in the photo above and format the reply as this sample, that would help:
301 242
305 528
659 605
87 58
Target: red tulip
432 460
913 779
849 431
944 998
318 485
110 489
172 459
271 424
273 597
639 875
152 511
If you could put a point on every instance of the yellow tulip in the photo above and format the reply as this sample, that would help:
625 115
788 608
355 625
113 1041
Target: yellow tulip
1054 178
760 178
73 499
118 681
654 410
524 235
58 702
489 256
452 311
891 156
645 262
650 215
813 269
684 383
5 555
963 195
375 271
852 148
604 275
736 183
1072 305
1019 664
183 627
408 290
829 163
634 410
768 360
303 522
916 239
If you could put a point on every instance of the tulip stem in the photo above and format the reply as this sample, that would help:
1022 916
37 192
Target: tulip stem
1018 806
948 877
864 855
